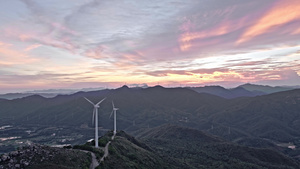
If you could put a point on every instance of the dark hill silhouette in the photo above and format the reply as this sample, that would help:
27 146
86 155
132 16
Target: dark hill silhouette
176 132
264 88
275 117
199 150
227 93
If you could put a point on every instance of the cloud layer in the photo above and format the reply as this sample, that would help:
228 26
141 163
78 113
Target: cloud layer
61 44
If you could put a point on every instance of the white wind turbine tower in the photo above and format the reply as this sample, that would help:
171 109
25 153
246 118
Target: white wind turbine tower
95 118
114 110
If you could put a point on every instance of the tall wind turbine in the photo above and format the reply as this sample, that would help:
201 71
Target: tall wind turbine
95 118
114 110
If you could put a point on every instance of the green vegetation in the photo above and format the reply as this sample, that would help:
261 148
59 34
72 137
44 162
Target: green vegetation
170 146
163 147
196 149
262 121
98 152
126 152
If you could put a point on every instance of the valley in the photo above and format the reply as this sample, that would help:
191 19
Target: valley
269 121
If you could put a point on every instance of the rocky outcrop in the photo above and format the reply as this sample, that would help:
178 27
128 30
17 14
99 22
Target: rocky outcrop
36 155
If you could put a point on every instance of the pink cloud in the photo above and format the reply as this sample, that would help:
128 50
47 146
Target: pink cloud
281 13
191 37
35 37
31 47
10 56
62 28
97 52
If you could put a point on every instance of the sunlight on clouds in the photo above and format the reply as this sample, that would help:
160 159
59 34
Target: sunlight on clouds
30 36
296 32
283 12
186 39
218 76
31 47
10 56
191 77
191 42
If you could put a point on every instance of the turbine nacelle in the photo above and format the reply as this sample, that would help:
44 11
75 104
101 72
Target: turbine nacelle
114 109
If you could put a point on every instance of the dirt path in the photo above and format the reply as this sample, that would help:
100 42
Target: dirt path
106 153
94 162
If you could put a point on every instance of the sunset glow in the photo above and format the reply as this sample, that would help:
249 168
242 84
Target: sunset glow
281 13
93 43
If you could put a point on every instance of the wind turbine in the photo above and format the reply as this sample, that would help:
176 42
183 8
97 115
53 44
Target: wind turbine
114 110
95 118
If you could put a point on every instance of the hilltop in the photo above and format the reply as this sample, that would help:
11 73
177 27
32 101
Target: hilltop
171 146
196 149
127 152
265 88
275 116
260 121
163 147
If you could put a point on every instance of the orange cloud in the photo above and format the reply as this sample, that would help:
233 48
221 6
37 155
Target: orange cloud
31 47
296 31
98 52
186 39
46 40
283 12
203 76
10 56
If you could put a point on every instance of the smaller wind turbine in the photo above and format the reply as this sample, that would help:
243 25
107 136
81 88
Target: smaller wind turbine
95 118
114 110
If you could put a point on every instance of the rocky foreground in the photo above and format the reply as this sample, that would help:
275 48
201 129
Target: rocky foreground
41 156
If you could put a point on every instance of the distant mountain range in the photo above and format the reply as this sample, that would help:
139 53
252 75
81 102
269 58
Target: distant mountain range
49 93
246 90
270 120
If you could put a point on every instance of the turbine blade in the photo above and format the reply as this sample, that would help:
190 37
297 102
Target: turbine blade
100 102
113 104
111 113
89 101
93 118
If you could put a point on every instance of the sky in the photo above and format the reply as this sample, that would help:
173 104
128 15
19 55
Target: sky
60 44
